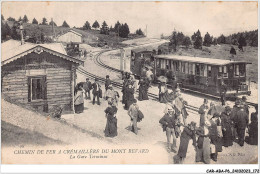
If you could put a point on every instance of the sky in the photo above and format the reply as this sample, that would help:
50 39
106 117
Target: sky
160 17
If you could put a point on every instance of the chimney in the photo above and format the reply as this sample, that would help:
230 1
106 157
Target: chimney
21 32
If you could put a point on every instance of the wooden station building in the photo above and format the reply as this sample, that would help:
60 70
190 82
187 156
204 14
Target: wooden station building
39 75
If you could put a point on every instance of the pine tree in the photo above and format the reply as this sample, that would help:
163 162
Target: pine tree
117 26
186 42
207 40
104 29
34 21
25 19
65 24
11 19
20 19
95 25
124 30
198 41
5 31
86 26
173 41
193 37
44 21
221 39
139 32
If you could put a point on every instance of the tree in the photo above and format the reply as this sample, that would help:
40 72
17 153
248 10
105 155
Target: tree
14 34
241 42
5 31
233 51
173 41
86 26
95 25
11 19
193 37
186 42
139 32
20 19
215 42
44 21
52 22
25 19
180 37
207 40
104 29
117 26
34 21
198 40
2 18
65 24
111 28
221 39
124 30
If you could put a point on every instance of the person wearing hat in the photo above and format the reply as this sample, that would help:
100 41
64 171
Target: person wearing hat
87 86
111 125
169 123
233 116
187 134
129 96
96 91
215 133
241 122
227 124
143 89
107 82
223 91
180 103
133 113
203 111
253 128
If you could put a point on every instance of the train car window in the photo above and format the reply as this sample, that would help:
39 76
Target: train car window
205 71
220 71
209 71
242 70
182 67
193 69
157 61
197 69
201 70
186 68
225 74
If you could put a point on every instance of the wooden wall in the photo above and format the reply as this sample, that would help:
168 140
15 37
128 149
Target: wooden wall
58 78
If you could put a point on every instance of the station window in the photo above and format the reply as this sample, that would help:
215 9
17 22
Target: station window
209 71
36 88
225 74
193 69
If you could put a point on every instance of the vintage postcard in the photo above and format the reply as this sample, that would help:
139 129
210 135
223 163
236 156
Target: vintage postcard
129 82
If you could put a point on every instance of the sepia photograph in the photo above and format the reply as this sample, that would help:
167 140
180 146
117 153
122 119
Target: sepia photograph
155 82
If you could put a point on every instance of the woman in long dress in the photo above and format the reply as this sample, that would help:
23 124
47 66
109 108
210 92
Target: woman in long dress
226 124
143 89
79 99
111 126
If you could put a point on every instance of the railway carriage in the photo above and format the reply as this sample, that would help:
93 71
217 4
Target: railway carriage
203 75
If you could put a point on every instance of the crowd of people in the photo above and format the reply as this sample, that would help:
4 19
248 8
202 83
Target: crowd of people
218 125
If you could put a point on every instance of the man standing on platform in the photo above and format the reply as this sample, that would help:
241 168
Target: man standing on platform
87 87
107 82
96 91
223 91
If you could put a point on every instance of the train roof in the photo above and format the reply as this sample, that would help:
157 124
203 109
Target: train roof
144 49
210 61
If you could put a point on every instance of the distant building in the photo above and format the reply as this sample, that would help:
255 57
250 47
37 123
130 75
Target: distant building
39 75
70 36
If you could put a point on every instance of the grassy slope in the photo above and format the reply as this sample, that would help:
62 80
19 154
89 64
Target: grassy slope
250 54
89 36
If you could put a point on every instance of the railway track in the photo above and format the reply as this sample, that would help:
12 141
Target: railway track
118 84
101 64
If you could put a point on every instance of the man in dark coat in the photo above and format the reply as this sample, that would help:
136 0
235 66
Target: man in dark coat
241 122
143 89
107 82
87 86
245 105
96 91
233 116
169 123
